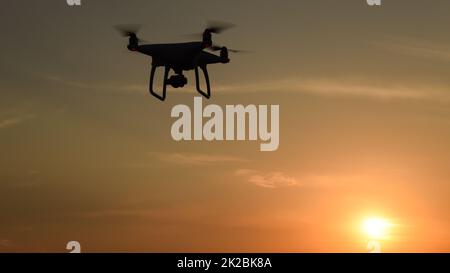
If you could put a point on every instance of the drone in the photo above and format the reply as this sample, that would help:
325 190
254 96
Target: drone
180 57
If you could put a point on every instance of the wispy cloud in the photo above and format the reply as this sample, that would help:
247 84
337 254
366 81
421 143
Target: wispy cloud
270 180
346 87
134 88
196 158
12 121
159 215
318 85
327 87
306 180
125 88
424 49
68 82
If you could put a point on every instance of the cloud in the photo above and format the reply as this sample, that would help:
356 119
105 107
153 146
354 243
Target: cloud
270 180
12 121
355 88
310 180
134 88
345 87
318 85
68 82
161 215
126 88
196 159
423 49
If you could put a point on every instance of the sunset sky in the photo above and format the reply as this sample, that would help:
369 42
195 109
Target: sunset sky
86 153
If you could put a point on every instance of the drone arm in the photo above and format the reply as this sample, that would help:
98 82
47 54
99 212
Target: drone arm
152 76
197 81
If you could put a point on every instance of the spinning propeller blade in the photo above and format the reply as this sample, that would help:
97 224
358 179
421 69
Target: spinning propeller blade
217 48
215 27
129 30
218 27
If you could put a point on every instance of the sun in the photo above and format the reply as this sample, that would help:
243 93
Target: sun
376 228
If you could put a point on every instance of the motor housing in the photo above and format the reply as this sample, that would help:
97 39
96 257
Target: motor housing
133 42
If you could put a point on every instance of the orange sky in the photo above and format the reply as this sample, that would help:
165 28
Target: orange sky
87 155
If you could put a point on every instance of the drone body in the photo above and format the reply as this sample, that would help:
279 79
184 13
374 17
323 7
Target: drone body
180 57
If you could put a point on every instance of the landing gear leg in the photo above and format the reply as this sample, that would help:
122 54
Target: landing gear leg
152 76
197 81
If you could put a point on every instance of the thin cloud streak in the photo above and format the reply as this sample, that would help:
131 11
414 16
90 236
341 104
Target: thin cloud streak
423 49
333 87
122 88
270 180
12 121
318 86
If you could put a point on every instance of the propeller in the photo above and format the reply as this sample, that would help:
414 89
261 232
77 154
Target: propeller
129 30
217 48
215 27
218 27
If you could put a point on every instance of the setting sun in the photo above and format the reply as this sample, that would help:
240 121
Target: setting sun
376 228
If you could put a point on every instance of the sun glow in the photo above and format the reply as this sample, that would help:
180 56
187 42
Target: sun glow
376 228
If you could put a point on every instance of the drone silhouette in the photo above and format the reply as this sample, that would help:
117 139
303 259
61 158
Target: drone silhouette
180 57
